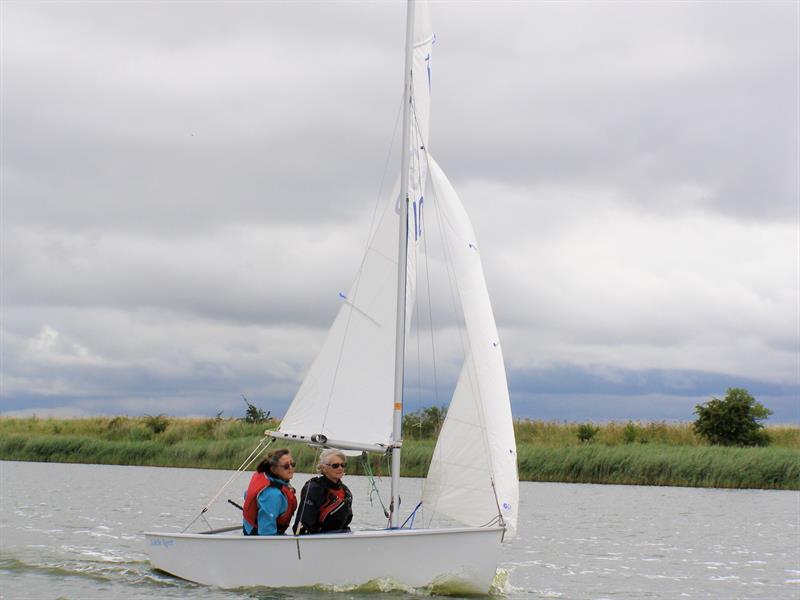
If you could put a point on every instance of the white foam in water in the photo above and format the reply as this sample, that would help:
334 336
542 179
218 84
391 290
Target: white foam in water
101 556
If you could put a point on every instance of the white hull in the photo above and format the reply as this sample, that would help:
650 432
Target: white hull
417 558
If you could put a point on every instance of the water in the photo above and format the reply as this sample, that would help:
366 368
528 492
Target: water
75 532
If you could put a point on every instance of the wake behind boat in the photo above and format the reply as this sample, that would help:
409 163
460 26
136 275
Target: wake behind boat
352 399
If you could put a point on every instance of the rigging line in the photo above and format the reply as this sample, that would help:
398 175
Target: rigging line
491 521
373 488
370 237
497 502
437 208
451 286
418 227
419 353
386 164
411 516
421 148
299 518
427 263
372 226
247 462
388 459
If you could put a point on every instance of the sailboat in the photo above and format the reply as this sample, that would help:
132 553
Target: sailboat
352 399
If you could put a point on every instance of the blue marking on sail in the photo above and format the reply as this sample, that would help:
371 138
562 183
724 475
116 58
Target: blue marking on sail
428 66
421 200
416 223
417 206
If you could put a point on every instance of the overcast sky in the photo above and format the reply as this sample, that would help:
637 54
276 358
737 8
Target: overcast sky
187 186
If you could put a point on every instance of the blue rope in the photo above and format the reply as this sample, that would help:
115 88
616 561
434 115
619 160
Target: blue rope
411 517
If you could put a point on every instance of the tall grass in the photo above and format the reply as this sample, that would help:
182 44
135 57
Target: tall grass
693 466
626 453
555 434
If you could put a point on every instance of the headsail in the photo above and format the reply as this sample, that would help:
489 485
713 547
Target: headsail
473 474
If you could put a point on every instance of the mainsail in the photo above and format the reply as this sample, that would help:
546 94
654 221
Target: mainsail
347 393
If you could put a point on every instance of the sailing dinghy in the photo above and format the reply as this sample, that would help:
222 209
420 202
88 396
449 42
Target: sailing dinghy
352 399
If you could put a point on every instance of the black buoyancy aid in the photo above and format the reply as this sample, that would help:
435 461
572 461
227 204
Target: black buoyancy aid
335 509
258 482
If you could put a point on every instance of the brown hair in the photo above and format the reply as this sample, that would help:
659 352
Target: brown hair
266 465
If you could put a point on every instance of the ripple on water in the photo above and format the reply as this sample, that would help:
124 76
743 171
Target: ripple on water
131 572
108 556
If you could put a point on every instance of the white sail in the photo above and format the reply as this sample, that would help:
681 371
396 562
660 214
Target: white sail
420 111
347 394
473 474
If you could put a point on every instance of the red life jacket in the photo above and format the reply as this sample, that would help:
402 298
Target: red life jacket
334 501
258 482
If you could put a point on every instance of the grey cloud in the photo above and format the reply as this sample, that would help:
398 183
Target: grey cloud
187 185
234 129
630 96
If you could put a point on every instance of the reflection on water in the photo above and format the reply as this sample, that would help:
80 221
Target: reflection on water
75 531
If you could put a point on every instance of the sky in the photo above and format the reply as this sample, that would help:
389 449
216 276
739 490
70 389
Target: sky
187 186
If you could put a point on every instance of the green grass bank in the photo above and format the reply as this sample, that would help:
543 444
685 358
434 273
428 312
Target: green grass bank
620 453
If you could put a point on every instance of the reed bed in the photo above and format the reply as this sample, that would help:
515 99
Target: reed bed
560 434
623 453
659 464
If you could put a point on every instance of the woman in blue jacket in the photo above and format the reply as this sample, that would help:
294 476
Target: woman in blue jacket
270 501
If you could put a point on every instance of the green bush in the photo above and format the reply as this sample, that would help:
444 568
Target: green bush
586 432
629 433
734 421
157 424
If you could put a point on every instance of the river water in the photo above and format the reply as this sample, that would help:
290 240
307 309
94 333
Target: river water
75 532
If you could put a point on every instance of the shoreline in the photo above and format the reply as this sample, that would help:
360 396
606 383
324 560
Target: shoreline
664 455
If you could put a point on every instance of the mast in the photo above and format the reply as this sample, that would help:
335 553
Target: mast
402 267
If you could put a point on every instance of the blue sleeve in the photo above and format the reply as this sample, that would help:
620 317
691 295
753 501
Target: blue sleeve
271 504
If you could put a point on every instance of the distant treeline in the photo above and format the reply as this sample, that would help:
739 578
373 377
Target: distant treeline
624 453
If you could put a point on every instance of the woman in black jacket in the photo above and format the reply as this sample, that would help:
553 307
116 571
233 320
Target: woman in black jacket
326 504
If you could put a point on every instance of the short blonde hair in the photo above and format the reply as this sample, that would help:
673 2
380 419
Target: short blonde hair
328 454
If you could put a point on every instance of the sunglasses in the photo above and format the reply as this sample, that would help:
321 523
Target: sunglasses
337 465
289 465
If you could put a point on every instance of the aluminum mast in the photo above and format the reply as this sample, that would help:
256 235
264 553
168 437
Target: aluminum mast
402 267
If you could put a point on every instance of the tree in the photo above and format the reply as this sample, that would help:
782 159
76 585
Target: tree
424 424
734 421
253 414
